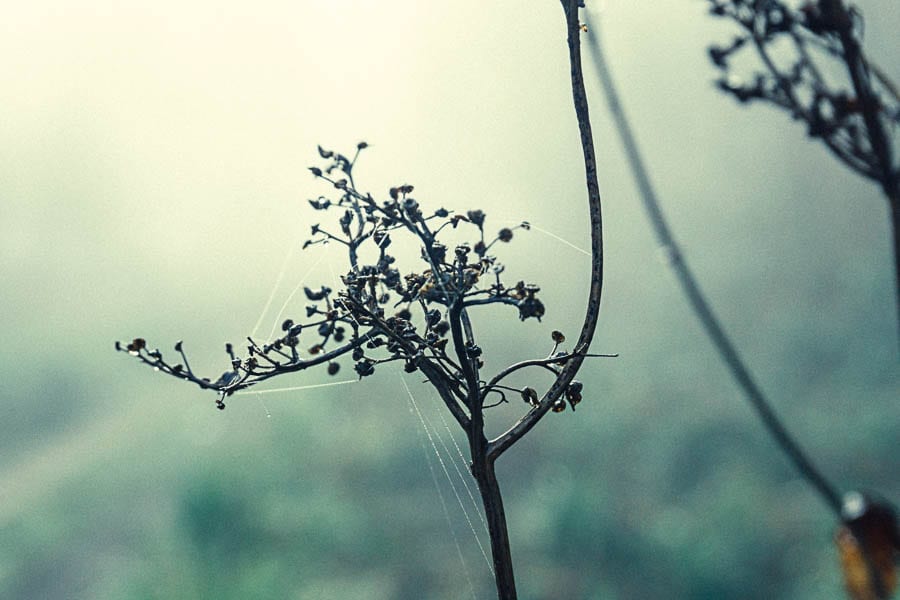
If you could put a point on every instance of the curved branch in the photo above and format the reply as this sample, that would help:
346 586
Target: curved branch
579 97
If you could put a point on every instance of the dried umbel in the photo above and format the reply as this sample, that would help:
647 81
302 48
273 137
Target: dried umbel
381 313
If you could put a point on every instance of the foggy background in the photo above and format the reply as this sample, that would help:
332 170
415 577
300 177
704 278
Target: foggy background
153 181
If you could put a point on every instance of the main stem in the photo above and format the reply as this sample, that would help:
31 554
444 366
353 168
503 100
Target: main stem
486 478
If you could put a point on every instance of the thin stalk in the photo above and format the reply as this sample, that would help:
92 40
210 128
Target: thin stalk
491 498
484 453
691 289
592 312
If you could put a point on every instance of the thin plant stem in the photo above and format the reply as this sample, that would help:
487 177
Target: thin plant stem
695 296
592 312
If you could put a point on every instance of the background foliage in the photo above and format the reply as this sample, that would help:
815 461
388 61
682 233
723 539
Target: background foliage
152 180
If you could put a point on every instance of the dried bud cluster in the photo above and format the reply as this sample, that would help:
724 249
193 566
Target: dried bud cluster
380 313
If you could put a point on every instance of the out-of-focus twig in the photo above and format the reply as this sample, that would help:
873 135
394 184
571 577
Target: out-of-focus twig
695 296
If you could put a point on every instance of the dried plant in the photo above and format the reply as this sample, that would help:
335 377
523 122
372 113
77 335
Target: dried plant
811 63
418 315
801 52
868 536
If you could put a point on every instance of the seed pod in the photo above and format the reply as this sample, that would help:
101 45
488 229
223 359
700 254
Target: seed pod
529 395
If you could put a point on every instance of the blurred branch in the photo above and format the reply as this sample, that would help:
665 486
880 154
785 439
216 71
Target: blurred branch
856 123
868 538
726 349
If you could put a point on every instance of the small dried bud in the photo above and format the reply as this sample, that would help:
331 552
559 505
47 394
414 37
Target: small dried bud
438 253
333 368
558 337
573 393
505 235
288 323
530 396
530 307
381 238
476 217
364 368
559 405
316 171
433 317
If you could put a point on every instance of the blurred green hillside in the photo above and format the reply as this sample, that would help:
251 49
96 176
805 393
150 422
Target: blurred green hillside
152 183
